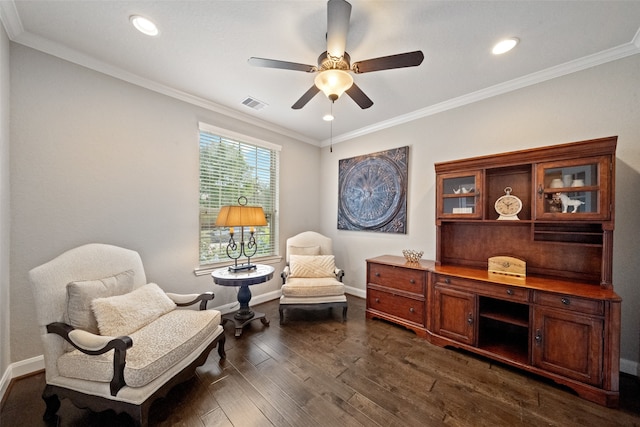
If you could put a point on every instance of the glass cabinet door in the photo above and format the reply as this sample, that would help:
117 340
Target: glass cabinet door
459 195
571 190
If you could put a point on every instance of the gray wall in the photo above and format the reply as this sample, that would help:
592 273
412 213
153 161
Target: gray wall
4 201
597 102
95 159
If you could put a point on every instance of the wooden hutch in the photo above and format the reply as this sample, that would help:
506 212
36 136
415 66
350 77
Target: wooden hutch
562 320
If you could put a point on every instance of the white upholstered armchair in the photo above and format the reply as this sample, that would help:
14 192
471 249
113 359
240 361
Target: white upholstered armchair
111 340
310 279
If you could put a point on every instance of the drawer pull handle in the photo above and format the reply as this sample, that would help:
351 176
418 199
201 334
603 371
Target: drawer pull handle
412 281
470 319
538 336
509 291
447 280
377 299
411 310
376 274
565 301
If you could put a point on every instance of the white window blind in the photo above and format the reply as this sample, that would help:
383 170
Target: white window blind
231 168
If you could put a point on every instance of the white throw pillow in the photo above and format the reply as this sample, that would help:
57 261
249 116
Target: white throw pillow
81 293
124 314
312 265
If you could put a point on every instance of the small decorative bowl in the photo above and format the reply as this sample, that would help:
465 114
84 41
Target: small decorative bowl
411 255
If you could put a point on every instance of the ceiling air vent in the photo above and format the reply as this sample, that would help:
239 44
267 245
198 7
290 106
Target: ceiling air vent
253 103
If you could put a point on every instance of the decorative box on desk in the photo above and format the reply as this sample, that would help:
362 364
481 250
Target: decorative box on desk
396 291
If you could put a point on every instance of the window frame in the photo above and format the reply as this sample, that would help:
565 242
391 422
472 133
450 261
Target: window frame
207 267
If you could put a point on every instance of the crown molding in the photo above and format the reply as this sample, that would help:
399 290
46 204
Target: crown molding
609 55
13 25
17 34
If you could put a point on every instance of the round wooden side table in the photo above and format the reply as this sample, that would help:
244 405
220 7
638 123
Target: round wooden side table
244 279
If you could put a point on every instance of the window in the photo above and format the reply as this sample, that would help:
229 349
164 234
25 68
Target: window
232 166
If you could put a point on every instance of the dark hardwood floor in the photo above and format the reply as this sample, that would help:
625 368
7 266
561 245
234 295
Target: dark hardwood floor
317 371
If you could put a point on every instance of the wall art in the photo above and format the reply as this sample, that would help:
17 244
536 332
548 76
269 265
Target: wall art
372 192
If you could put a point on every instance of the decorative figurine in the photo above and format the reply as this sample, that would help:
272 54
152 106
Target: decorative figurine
566 202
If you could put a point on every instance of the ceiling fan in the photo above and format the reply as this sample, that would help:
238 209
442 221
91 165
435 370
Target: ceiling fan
333 67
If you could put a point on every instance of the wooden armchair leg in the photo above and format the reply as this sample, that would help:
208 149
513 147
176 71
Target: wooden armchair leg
221 342
52 402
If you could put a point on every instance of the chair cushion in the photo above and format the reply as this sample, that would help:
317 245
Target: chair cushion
303 250
124 314
81 293
156 348
313 266
312 287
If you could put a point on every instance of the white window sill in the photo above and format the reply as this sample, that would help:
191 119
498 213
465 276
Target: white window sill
209 268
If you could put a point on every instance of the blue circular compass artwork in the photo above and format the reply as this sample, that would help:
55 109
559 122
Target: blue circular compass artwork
373 192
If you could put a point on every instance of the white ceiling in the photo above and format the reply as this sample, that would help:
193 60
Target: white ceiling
201 53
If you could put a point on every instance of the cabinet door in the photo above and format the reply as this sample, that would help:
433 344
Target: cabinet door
568 343
458 195
574 189
455 314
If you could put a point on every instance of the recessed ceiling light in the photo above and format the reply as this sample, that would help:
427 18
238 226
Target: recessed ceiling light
327 117
504 46
144 25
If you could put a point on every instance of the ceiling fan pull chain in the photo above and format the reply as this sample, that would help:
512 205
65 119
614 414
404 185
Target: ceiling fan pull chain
331 129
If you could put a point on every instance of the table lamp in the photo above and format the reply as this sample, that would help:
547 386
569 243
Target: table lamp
241 216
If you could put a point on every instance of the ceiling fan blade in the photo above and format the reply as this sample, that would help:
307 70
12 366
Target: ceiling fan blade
359 97
401 60
274 63
338 15
305 98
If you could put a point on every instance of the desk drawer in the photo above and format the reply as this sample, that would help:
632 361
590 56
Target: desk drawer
405 279
396 305
567 302
504 292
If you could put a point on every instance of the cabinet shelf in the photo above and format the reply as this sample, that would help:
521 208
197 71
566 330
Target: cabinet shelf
504 328
505 311
505 318
505 340
584 234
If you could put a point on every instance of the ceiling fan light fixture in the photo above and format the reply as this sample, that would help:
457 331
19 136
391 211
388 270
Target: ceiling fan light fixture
144 25
333 83
505 45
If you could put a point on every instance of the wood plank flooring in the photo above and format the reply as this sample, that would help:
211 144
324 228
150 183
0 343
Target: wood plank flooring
316 371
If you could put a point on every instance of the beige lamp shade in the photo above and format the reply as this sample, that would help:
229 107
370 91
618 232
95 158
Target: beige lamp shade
241 216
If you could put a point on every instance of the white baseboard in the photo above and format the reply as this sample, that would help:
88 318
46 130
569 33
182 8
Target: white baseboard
18 369
257 299
630 367
361 293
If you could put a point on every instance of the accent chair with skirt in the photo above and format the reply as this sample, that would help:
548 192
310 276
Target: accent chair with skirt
111 340
311 280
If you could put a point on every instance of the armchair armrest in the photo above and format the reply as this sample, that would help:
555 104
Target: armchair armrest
184 300
285 273
92 344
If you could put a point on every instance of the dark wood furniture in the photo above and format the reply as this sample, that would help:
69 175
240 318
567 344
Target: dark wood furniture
563 320
396 291
243 279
